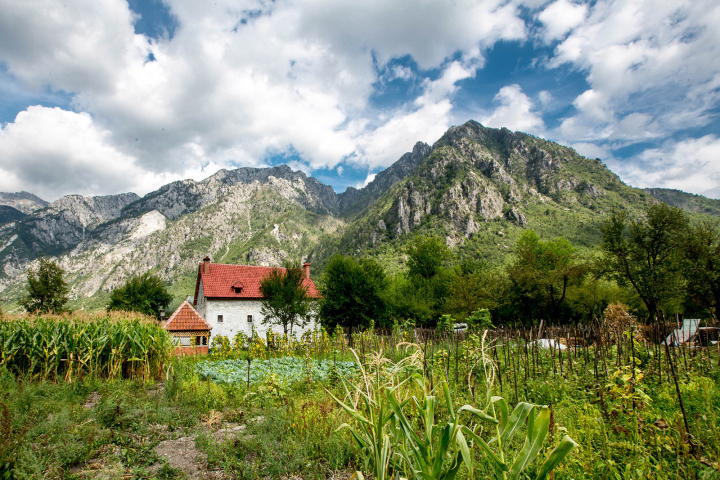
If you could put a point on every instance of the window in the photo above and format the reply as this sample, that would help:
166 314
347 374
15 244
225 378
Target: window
220 318
249 318
201 341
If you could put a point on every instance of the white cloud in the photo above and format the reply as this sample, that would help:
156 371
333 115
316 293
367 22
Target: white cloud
51 152
73 45
515 111
590 150
651 66
228 87
545 98
688 165
368 179
560 17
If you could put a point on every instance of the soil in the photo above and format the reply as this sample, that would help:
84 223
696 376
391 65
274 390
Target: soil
182 454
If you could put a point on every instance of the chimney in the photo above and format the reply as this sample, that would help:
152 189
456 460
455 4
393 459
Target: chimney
306 271
206 265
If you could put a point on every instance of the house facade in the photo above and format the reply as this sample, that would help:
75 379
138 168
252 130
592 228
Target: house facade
228 297
189 330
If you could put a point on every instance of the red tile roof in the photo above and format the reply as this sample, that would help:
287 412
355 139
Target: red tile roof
186 318
222 281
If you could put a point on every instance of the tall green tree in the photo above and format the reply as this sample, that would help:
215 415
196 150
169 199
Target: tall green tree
702 266
541 274
426 255
144 293
47 290
353 293
473 286
285 301
646 253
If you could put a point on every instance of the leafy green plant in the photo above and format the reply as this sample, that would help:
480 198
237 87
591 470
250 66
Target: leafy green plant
390 444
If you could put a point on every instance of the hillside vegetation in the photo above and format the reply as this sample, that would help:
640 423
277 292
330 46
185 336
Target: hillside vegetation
477 188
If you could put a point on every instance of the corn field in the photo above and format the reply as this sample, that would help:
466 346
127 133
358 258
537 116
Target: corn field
68 348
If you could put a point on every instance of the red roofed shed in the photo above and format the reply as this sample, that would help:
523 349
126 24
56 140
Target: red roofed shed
189 329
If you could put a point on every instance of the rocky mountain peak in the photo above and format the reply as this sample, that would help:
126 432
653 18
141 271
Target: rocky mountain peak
25 202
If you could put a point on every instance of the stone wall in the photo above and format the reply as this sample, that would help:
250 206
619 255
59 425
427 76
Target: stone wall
235 317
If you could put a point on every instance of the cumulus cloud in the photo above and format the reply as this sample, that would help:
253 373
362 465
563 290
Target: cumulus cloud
560 17
51 152
515 111
656 57
368 179
241 80
690 165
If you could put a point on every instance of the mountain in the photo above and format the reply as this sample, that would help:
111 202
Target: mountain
476 187
686 201
25 202
353 201
10 214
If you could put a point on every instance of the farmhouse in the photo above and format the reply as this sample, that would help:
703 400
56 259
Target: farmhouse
229 298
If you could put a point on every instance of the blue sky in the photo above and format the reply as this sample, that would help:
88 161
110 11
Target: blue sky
107 97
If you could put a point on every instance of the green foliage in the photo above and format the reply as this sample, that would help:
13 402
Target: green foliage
541 274
69 348
702 266
446 325
285 301
288 369
480 320
144 293
352 293
411 299
47 290
426 255
646 253
474 286
220 345
396 441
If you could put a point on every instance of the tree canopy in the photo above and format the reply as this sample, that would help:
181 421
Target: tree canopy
541 274
702 266
352 293
646 253
285 301
47 290
426 255
144 293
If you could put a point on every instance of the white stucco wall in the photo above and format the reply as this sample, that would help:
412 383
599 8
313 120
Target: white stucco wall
235 313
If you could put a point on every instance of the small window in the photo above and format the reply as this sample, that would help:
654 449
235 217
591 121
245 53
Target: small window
220 319
201 341
250 319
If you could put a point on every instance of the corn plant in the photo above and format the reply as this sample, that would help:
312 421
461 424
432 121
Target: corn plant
391 446
68 347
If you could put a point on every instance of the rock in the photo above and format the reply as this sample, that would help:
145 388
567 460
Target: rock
25 202
517 216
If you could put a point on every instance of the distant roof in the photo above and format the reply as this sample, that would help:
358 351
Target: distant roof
186 318
224 280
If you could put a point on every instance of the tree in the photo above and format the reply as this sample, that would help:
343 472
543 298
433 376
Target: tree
144 293
353 293
47 290
426 256
541 274
646 253
702 266
285 301
474 286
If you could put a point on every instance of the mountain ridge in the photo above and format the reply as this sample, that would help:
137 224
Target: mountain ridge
476 187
